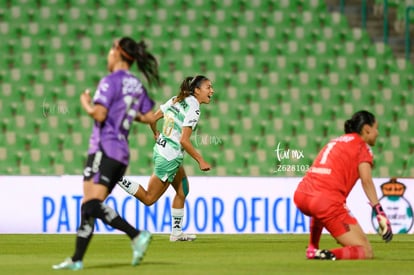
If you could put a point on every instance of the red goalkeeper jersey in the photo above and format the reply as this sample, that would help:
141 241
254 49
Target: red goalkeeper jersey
334 172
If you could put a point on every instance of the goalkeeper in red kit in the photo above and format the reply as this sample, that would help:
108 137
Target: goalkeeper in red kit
323 191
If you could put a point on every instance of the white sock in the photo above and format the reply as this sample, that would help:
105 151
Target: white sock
177 220
129 186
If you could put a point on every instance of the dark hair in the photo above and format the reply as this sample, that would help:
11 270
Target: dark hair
132 51
357 121
189 85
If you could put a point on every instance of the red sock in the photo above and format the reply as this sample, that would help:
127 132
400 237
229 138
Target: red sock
315 232
349 252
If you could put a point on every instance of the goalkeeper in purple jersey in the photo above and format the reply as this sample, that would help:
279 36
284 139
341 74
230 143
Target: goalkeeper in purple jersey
119 99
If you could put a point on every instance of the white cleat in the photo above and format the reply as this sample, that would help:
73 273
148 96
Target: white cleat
69 264
183 237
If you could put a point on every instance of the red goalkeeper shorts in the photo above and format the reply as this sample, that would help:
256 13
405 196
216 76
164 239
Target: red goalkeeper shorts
334 215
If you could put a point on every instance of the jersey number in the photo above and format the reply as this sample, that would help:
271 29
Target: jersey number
168 126
325 154
161 142
130 113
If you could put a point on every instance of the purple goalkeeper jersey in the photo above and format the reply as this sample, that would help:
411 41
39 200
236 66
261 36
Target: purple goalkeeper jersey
124 96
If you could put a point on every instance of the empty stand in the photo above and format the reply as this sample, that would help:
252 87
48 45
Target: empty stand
283 71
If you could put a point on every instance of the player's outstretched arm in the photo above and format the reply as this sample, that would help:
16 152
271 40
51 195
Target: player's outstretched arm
369 188
189 148
367 183
153 125
146 118
150 117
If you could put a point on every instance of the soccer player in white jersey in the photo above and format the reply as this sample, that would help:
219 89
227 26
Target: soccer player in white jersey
181 114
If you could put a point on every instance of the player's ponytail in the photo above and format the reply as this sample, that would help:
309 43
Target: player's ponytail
357 121
188 86
184 89
146 62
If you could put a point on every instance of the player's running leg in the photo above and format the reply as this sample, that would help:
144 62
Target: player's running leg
148 197
129 186
181 187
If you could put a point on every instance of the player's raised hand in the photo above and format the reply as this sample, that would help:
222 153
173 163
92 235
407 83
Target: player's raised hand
384 225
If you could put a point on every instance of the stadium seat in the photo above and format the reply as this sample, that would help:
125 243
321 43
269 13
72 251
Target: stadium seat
266 59
409 169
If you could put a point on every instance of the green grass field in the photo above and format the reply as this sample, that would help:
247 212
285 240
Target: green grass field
209 254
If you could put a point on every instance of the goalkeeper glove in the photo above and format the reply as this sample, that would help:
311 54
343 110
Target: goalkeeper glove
384 225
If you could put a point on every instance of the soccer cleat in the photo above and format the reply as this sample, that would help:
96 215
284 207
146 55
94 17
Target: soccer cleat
69 264
182 237
139 246
320 254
